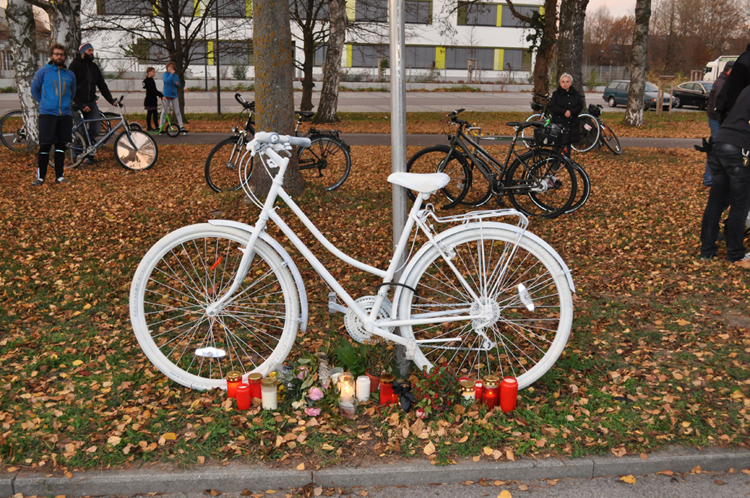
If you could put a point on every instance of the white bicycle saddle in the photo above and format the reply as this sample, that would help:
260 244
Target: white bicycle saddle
420 182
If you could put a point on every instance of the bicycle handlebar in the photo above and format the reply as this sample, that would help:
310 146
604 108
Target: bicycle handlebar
244 103
269 137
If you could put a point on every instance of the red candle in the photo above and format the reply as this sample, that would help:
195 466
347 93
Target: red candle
254 381
243 397
386 388
491 393
233 380
508 394
478 390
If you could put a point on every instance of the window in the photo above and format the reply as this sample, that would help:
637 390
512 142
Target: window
371 11
458 58
230 52
124 8
420 57
320 55
477 14
516 60
650 87
319 8
511 21
418 12
367 55
231 8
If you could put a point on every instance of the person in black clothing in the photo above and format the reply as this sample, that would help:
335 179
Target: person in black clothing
89 78
564 106
150 103
736 82
729 162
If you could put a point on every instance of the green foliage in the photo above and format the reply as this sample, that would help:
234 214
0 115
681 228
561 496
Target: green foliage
353 356
437 391
239 71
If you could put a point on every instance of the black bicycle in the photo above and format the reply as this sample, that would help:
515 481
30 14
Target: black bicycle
538 182
326 162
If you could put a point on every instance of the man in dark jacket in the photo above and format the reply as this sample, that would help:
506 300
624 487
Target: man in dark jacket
713 116
88 79
736 82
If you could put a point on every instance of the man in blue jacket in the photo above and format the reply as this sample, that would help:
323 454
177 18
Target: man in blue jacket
53 87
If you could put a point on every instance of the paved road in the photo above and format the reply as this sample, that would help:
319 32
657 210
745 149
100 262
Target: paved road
357 101
423 140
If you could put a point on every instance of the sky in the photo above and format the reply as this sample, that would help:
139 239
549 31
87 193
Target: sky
616 7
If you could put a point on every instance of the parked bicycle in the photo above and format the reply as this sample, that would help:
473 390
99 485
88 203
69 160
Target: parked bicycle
539 182
481 297
326 162
134 149
607 137
589 125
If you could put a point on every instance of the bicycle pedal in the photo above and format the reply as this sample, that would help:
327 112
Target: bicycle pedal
334 305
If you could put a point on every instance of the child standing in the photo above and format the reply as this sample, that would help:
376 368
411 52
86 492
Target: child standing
150 103
171 82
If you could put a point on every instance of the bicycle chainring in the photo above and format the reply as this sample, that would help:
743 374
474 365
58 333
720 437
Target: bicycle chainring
354 325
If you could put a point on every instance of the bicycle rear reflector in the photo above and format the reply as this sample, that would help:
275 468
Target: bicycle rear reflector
523 294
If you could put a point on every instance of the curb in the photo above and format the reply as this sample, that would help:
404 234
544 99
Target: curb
235 478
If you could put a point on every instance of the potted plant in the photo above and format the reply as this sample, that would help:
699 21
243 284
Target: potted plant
379 359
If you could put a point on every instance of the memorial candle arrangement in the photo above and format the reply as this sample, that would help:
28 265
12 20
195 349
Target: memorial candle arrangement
254 380
269 394
491 392
508 394
386 388
234 379
242 393
363 388
467 392
346 387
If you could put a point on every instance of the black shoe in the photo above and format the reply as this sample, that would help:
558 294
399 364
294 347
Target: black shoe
708 256
183 131
38 182
62 180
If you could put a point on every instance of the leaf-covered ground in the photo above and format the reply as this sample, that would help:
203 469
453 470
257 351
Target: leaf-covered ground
658 353
679 125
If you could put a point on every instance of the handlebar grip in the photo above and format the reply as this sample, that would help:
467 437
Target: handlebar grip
239 98
269 137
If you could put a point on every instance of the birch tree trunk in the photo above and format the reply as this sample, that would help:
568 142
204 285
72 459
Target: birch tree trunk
545 27
274 93
570 41
637 92
329 94
65 23
22 38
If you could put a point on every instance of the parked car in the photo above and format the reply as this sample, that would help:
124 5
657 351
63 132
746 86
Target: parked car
692 93
617 93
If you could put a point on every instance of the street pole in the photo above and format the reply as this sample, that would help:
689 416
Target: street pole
205 56
398 135
218 64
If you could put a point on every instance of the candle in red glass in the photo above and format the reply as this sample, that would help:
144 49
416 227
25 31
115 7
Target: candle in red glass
233 380
491 393
254 381
478 390
243 397
386 388
508 394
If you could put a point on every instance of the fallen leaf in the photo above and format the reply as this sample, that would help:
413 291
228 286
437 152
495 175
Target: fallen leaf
487 450
212 492
429 449
665 473
114 440
245 492
301 466
696 470
201 459
719 482
644 456
318 491
505 494
523 487
476 458
170 436
327 447
510 456
629 479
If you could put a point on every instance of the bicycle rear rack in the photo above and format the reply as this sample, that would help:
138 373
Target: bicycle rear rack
475 216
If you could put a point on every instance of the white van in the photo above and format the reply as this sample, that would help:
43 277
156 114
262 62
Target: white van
714 68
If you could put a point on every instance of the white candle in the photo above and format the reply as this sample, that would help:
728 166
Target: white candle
346 387
363 388
269 394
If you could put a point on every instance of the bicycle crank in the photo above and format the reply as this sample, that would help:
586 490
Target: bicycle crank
354 325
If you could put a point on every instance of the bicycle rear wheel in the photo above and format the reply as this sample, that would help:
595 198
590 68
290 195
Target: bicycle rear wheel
610 140
589 133
541 183
13 131
75 152
440 159
326 162
186 271
519 285
138 158
583 188
223 164
172 130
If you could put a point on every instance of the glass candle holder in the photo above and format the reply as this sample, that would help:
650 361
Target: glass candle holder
491 392
363 388
346 387
386 388
348 407
234 379
467 392
243 397
269 394
508 394
478 389
254 380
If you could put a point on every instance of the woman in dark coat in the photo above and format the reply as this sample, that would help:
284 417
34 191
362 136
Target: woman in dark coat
564 107
150 103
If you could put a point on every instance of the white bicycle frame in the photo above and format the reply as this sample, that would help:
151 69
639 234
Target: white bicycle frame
370 322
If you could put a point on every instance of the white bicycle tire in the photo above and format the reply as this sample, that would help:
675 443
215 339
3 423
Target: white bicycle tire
138 312
424 258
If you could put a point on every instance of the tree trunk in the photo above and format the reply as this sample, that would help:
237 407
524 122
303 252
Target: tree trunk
637 92
65 23
22 38
546 33
329 94
570 41
308 48
274 92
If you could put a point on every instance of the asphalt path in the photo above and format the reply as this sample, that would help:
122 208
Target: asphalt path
423 140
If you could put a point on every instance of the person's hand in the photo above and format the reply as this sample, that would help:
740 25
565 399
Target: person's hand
567 114
86 109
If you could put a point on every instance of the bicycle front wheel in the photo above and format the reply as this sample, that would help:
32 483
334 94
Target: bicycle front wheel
589 133
610 140
326 162
172 130
516 285
138 158
527 134
13 131
541 183
186 271
75 152
440 159
224 162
